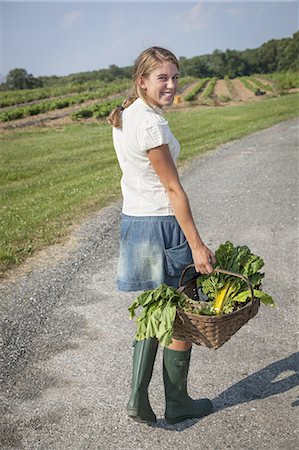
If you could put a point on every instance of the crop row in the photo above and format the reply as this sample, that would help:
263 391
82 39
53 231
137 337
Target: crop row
98 111
248 84
255 85
264 86
196 90
210 89
184 82
280 82
11 98
46 106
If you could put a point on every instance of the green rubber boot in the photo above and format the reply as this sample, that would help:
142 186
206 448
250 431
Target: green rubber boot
138 407
179 406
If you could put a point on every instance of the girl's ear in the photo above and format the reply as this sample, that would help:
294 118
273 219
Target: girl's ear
141 82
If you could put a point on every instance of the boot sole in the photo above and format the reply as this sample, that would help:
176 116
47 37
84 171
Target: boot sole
134 416
182 418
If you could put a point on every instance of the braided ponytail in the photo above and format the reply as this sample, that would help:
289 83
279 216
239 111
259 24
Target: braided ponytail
115 116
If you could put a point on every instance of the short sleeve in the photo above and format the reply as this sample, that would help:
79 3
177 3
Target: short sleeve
153 135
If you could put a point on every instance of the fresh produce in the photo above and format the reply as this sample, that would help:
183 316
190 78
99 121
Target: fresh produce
158 315
229 293
224 293
159 311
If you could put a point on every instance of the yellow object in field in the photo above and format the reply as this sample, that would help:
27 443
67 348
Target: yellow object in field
177 100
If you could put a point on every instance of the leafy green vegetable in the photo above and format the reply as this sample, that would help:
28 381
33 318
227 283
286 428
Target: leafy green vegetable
225 293
158 315
159 311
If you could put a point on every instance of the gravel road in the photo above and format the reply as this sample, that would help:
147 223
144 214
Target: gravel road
66 342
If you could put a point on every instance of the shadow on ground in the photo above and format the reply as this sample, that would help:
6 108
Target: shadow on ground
276 378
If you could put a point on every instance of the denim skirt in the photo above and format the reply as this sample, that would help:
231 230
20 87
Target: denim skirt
153 250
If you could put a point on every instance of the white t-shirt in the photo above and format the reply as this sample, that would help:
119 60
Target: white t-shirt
143 128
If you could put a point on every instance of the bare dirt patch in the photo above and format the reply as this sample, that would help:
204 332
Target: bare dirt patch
221 90
241 93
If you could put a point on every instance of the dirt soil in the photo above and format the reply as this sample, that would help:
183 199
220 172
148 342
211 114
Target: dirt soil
241 93
221 89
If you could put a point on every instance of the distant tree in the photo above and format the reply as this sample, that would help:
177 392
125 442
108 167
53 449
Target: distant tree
288 53
252 61
236 64
20 79
196 67
217 64
48 81
115 71
267 54
182 63
127 71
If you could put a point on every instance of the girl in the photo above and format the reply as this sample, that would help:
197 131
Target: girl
158 234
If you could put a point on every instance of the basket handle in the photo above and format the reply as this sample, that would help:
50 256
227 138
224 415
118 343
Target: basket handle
227 272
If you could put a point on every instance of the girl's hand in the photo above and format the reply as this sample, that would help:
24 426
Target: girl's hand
203 260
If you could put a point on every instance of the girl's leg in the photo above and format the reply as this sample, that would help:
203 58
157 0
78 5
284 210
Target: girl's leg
179 345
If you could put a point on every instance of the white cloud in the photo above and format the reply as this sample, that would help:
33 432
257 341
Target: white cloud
193 19
71 18
196 18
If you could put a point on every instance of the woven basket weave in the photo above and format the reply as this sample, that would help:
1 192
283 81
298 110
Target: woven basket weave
211 331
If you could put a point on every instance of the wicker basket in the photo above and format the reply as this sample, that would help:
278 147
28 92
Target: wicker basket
211 331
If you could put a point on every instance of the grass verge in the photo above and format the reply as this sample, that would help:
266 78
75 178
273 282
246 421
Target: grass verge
50 178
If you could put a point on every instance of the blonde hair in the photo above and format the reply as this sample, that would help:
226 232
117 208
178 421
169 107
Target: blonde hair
146 62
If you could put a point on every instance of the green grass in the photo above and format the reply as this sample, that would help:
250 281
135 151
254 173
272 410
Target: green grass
283 81
51 178
204 129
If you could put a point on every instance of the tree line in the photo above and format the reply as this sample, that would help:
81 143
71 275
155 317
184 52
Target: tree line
276 55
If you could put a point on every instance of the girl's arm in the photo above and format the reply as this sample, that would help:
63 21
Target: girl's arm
162 162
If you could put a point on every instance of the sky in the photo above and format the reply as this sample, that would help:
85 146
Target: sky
64 37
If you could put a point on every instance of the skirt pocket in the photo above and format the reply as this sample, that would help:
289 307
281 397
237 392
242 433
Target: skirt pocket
177 258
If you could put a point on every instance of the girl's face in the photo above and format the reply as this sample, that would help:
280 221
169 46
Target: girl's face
161 85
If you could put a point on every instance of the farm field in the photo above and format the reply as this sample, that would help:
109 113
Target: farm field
51 178
58 106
